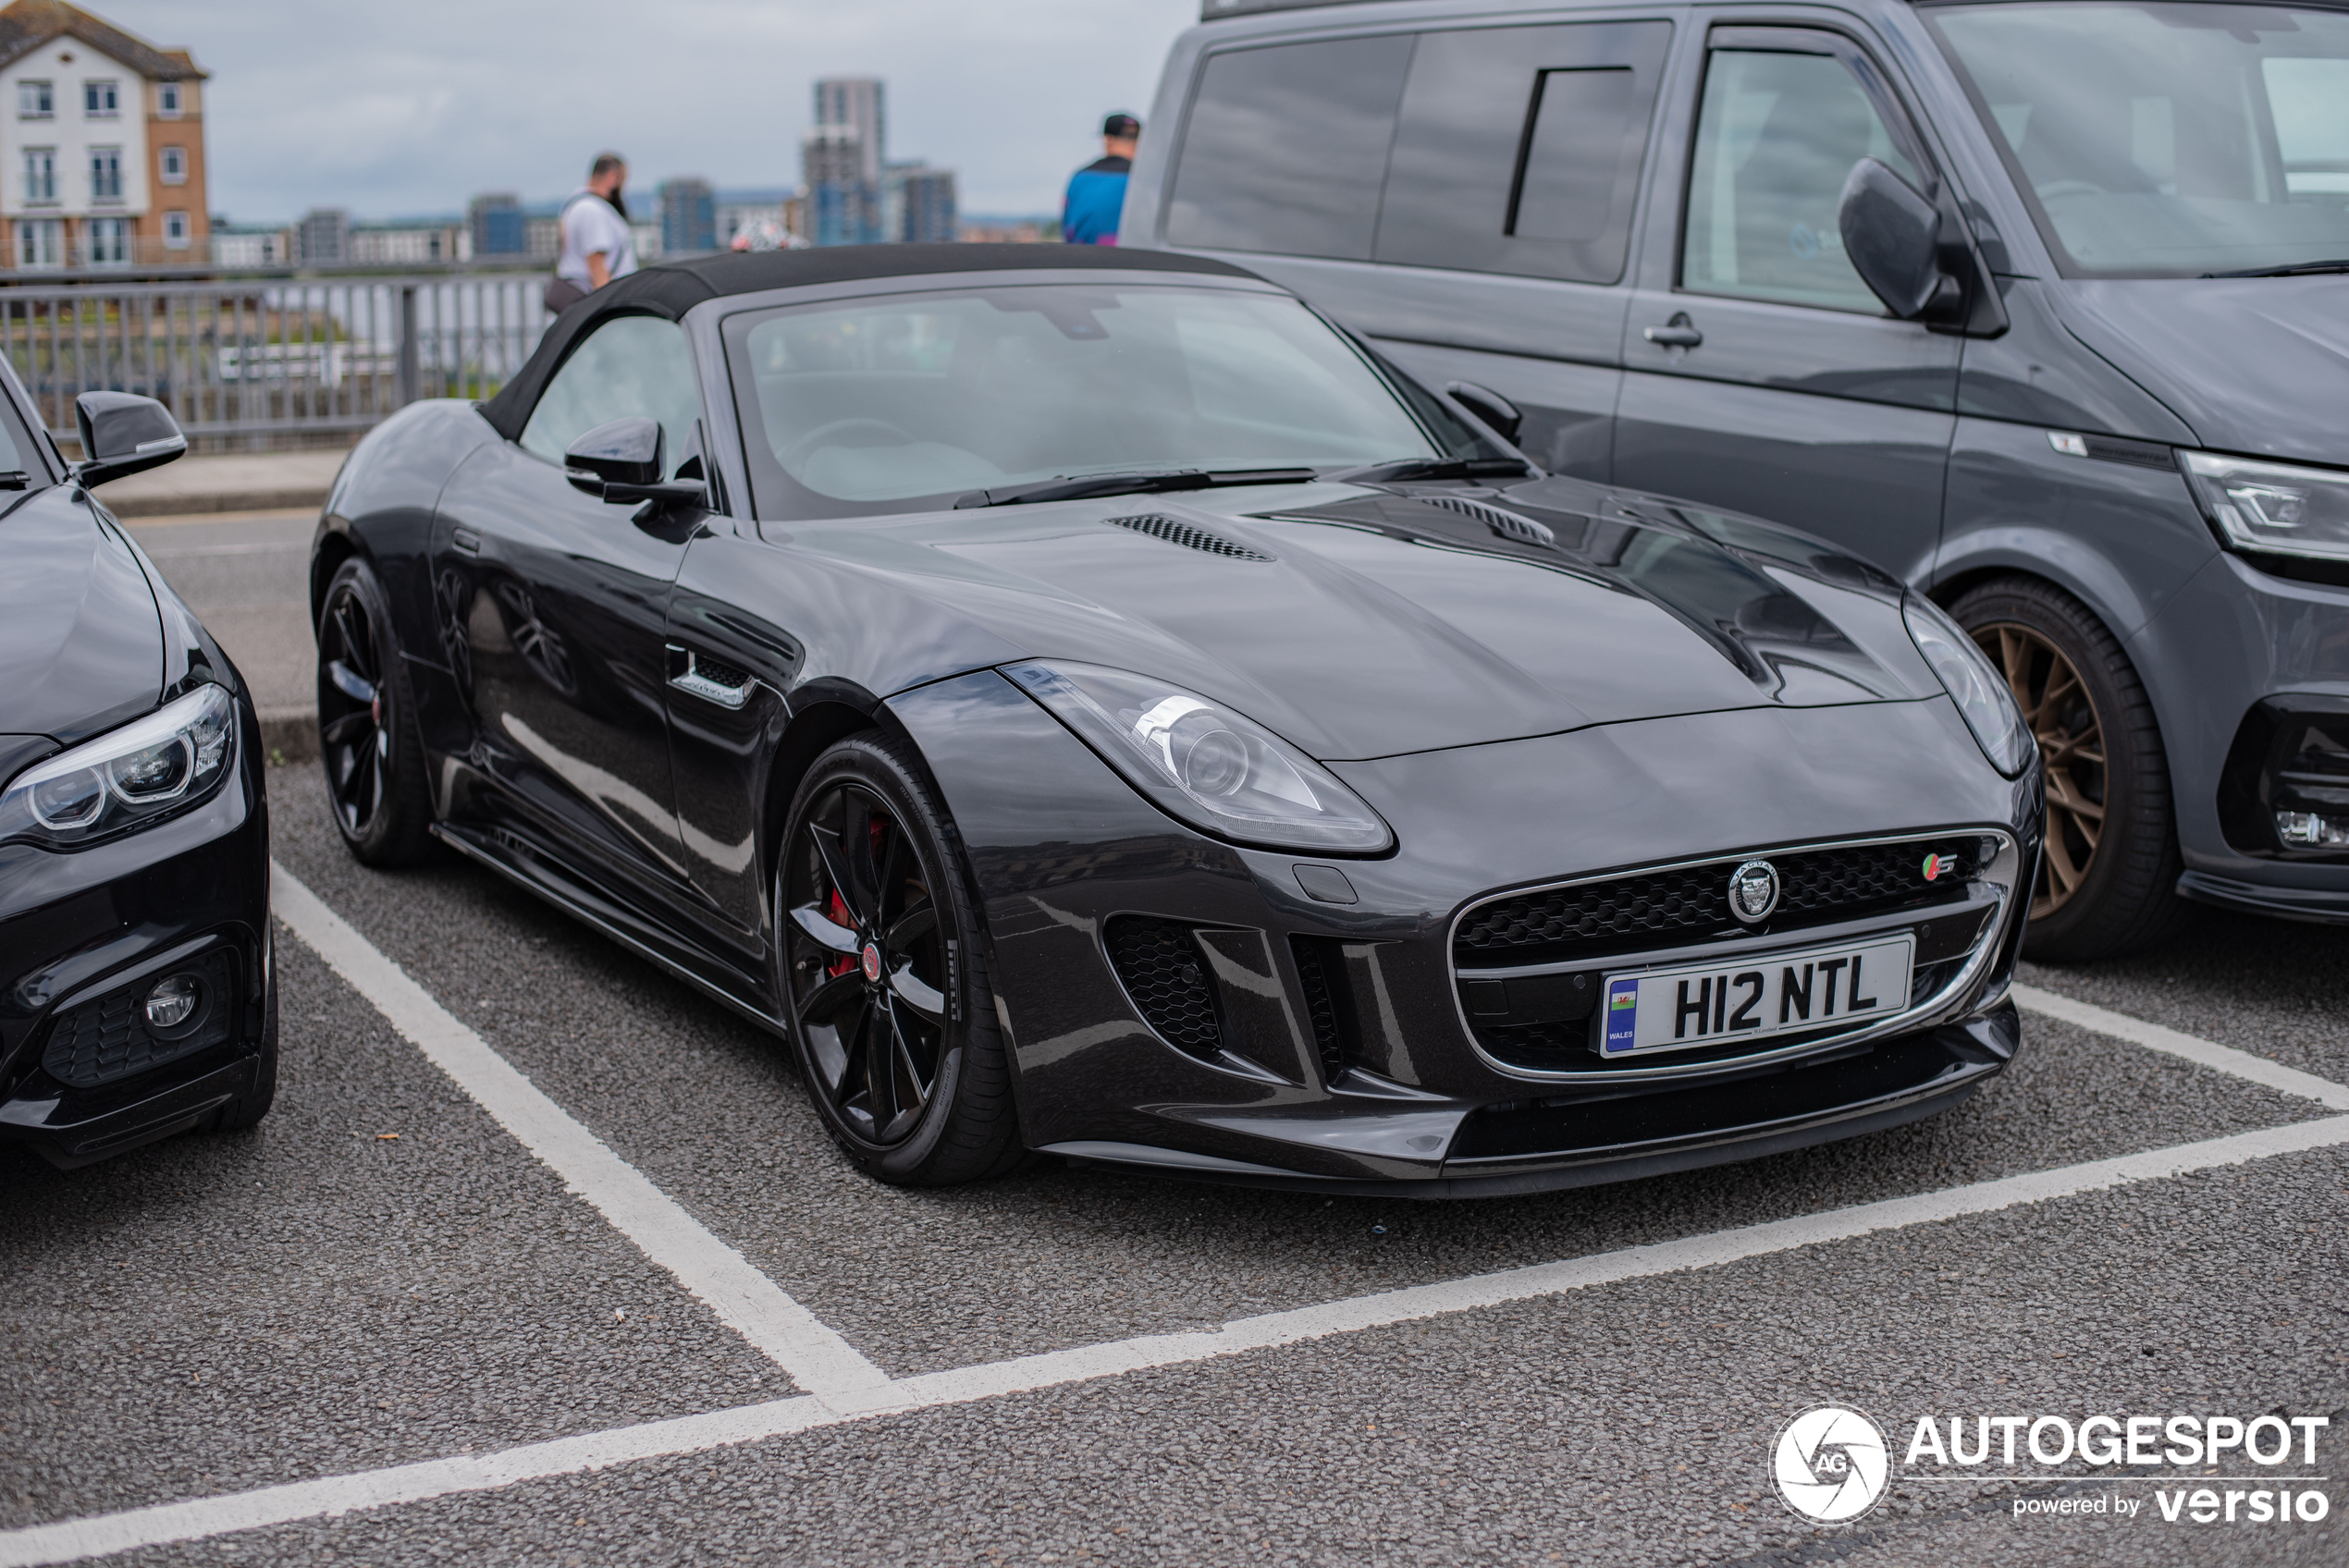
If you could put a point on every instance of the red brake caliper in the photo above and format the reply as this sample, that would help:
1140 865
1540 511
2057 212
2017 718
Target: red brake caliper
837 912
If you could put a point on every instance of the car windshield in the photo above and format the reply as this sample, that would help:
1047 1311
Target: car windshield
2168 141
904 402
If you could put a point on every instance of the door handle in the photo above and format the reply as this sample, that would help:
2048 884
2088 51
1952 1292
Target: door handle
727 687
467 540
1678 333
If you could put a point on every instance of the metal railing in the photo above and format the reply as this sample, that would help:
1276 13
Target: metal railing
244 362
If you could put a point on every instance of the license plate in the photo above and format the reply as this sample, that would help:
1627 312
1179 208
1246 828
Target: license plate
1693 1005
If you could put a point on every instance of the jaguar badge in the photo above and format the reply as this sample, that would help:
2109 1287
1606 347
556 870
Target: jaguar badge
1754 891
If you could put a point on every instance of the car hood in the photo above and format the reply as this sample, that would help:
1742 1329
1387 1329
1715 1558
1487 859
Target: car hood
2257 365
80 638
1363 624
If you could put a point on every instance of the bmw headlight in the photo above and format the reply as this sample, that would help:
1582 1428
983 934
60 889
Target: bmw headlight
1977 688
174 755
1204 764
2280 508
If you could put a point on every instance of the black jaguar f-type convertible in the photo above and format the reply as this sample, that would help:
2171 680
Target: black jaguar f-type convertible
1090 703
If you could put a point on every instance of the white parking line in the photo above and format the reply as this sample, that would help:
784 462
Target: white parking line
845 1387
205 1517
817 1359
2203 1053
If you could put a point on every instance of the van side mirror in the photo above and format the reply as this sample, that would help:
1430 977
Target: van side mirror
624 460
1892 234
123 433
1490 407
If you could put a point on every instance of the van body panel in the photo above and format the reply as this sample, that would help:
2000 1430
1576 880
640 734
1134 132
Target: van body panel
2035 375
2017 504
2255 366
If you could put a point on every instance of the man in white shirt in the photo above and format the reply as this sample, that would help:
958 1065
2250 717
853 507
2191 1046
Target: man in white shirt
595 246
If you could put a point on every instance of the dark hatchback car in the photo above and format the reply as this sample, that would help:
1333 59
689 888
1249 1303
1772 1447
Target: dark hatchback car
1091 704
137 997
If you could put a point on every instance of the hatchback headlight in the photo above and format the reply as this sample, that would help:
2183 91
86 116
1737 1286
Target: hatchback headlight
1204 764
1973 684
173 756
2280 508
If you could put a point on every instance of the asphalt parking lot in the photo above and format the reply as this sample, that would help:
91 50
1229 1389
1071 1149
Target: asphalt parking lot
267 1327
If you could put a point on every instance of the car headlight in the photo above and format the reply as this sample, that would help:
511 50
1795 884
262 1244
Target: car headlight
173 756
2280 508
1973 684
1204 764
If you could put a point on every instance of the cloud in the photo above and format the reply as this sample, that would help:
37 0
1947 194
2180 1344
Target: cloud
393 110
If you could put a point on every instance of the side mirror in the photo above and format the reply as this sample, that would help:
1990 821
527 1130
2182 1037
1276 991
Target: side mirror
123 433
623 462
1892 234
1490 407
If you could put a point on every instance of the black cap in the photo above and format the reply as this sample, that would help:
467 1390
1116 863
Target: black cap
1124 126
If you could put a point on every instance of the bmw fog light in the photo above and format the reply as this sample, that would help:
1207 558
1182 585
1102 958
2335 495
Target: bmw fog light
2312 830
173 1001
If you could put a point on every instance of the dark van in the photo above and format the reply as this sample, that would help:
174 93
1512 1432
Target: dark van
2040 304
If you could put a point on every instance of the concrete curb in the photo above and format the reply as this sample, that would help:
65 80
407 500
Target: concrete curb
188 503
289 733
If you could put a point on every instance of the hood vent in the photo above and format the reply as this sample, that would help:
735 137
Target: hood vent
1509 525
1190 535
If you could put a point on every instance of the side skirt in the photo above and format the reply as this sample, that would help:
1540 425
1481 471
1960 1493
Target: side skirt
526 867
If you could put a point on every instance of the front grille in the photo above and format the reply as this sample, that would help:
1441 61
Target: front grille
1190 536
1162 968
106 1039
1665 908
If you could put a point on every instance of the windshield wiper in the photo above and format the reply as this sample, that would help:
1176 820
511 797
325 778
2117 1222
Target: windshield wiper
1146 482
2292 270
1405 470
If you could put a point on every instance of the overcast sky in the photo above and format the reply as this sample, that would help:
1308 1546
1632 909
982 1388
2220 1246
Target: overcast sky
394 110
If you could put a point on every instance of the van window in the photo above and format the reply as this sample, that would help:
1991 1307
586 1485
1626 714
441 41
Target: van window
1519 149
1286 148
1776 137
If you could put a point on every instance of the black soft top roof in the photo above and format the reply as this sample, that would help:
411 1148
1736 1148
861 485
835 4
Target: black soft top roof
671 288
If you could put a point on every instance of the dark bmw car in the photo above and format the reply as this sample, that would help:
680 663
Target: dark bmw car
1089 705
136 993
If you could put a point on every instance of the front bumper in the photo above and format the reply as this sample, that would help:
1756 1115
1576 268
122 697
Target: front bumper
82 934
1344 1056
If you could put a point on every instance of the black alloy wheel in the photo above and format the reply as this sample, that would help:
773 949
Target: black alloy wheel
375 763
889 1006
2109 870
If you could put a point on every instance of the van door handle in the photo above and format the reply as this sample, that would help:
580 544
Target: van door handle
1678 333
729 689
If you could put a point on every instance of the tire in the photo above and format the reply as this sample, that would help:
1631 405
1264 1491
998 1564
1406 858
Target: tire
248 1109
367 739
882 971
2108 875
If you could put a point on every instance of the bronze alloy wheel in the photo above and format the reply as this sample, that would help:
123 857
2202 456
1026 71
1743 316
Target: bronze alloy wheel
867 964
2062 716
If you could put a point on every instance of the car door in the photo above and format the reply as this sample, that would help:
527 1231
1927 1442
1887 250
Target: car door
1760 373
553 604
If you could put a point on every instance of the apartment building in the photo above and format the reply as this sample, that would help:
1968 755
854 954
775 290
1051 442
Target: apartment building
102 156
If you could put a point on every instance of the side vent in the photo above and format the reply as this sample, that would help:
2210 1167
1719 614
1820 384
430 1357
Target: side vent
1508 524
1191 537
1319 967
1159 964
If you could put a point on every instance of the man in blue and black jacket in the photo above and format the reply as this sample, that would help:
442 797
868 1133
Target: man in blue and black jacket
1097 191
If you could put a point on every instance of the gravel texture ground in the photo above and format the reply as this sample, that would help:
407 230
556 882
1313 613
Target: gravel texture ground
211 1314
